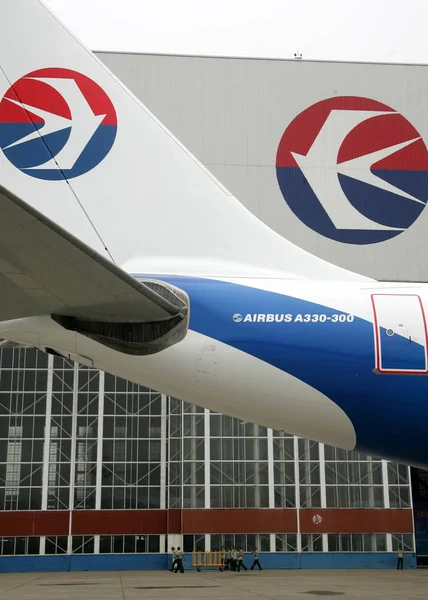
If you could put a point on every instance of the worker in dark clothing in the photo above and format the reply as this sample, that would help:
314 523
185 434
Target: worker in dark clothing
400 557
179 561
233 558
174 558
256 560
241 560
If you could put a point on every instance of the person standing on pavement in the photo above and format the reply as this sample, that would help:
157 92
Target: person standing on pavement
233 557
400 557
179 561
241 560
174 558
256 560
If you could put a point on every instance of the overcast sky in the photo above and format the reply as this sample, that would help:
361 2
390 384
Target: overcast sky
368 30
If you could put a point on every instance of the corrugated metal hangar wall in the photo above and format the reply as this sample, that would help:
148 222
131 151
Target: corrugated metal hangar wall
330 155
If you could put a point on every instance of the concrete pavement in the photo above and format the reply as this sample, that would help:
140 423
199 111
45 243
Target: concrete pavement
265 585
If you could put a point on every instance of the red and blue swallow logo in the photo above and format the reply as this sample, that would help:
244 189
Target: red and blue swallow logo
56 123
353 169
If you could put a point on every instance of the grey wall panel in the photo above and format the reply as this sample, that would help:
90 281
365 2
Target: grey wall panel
231 113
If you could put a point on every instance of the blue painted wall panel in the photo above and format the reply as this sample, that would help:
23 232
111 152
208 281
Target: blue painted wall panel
119 562
357 560
37 564
146 562
280 560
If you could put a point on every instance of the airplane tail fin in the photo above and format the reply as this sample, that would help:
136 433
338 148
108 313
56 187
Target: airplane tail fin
82 150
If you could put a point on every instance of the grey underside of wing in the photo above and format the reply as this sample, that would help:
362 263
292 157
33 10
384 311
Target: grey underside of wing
44 270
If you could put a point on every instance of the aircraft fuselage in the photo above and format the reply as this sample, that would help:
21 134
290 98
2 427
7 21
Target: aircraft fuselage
345 364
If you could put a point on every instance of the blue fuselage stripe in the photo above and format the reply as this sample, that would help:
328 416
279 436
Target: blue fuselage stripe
389 412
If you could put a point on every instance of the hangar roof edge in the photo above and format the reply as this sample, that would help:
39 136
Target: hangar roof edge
261 58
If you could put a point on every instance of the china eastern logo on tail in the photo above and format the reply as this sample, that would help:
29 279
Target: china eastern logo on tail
56 123
353 170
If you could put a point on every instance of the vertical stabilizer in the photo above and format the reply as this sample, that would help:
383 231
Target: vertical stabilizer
79 147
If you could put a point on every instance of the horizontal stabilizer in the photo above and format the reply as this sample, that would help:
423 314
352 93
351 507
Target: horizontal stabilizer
46 271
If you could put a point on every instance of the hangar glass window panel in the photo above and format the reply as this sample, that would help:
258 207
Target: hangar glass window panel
13 461
238 449
239 496
175 473
129 544
190 497
193 449
123 497
83 544
246 473
56 544
59 458
285 542
285 496
239 468
130 476
193 473
356 542
338 543
58 498
21 471
113 384
174 496
194 543
130 498
86 439
310 496
186 453
380 539
284 473
14 546
399 496
353 472
308 450
193 425
84 497
311 542
21 358
404 540
6 356
246 541
332 453
283 448
186 407
309 473
22 427
62 363
225 426
398 474
58 472
353 483
354 496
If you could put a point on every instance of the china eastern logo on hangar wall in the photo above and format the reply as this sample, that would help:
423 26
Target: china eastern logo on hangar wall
353 170
56 123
